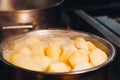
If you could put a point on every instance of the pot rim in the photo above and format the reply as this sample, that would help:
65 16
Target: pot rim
30 10
105 42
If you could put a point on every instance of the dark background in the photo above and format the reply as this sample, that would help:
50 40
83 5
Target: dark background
91 4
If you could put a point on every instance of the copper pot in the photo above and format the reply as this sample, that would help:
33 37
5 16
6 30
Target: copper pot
95 73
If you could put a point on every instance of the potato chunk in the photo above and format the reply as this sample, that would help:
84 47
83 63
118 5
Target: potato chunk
98 57
37 49
91 46
25 61
82 66
82 51
60 41
77 58
58 67
32 40
80 43
67 50
18 44
25 51
43 61
64 56
53 51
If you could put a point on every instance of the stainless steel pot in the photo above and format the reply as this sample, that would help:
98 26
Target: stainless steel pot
28 14
95 73
29 11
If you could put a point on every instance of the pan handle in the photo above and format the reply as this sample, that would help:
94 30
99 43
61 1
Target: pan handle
17 27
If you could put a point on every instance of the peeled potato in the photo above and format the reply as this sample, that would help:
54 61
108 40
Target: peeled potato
53 51
43 61
18 44
44 44
97 57
77 58
37 49
25 51
82 66
58 67
69 48
19 58
91 46
80 43
25 61
32 40
86 52
64 55
60 41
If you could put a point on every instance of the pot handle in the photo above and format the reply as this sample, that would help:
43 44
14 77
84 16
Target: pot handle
17 27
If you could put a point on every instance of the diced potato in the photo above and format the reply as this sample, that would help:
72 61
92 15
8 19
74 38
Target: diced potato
97 57
18 44
82 66
44 44
32 66
58 67
83 51
53 51
37 49
91 46
44 61
59 41
24 61
25 51
19 59
32 40
80 43
64 56
77 58
69 48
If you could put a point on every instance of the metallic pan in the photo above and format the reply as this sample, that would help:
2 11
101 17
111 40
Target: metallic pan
45 13
96 73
